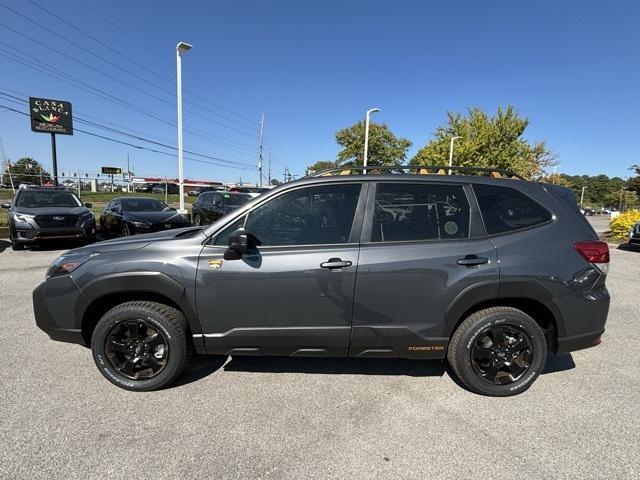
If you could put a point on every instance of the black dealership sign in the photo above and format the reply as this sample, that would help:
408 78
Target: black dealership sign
50 116
112 170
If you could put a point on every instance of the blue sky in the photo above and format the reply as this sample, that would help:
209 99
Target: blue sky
572 68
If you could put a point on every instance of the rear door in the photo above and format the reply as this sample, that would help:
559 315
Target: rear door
422 245
293 294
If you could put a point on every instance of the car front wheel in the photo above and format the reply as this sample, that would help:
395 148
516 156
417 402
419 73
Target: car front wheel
498 351
141 345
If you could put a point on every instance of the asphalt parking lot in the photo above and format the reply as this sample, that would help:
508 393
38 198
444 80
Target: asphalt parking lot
313 418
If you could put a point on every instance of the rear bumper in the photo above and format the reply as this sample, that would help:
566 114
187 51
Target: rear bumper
52 307
579 342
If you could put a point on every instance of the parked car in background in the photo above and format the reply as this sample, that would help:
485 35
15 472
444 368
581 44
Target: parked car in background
488 273
45 213
170 188
126 216
634 235
210 206
197 191
253 191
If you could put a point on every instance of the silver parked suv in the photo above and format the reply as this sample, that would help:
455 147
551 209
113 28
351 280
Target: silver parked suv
488 273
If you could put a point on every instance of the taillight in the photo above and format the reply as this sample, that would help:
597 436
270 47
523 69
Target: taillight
595 252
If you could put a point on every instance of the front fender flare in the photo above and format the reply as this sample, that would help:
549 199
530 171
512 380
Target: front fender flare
144 282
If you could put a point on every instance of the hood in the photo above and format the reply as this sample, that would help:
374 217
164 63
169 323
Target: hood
140 241
169 216
51 210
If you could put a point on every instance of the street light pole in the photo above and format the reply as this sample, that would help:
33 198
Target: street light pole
366 135
180 49
453 139
582 197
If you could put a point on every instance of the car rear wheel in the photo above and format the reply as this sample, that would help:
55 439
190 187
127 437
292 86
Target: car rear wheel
498 351
141 346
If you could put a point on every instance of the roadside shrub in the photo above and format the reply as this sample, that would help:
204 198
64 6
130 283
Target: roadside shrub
623 223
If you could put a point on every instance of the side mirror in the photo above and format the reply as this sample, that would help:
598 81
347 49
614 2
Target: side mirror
88 205
238 244
6 205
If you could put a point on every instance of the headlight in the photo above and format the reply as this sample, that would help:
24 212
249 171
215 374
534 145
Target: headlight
22 217
86 216
67 263
140 223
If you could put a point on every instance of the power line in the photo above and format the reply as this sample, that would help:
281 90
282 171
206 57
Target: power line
157 54
120 132
42 67
139 147
88 35
102 72
250 153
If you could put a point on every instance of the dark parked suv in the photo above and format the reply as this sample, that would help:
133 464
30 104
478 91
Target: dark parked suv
210 206
43 213
488 273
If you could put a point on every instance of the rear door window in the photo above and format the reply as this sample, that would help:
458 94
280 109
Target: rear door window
419 211
505 209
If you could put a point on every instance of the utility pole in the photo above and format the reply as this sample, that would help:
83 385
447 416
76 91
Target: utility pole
128 176
181 48
260 149
79 181
453 139
582 197
366 136
621 191
269 176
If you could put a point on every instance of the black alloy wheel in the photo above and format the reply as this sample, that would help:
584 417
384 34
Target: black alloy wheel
197 221
136 349
501 354
498 351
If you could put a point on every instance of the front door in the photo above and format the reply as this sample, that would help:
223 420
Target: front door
422 245
293 293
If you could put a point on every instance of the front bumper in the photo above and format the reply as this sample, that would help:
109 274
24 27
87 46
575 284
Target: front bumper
55 302
85 232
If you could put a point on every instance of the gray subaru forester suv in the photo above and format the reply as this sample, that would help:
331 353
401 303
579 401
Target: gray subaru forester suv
488 273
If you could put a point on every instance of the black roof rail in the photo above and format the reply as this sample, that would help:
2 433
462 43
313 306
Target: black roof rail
419 170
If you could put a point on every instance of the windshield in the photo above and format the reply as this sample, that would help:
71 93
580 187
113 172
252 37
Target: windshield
235 198
143 205
53 198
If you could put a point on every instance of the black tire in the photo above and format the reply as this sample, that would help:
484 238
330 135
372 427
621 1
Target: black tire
197 221
166 320
126 231
479 336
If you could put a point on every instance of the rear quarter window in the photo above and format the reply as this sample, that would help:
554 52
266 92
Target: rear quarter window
505 209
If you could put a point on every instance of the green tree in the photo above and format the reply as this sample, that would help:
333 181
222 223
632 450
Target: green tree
27 170
487 141
321 165
384 147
